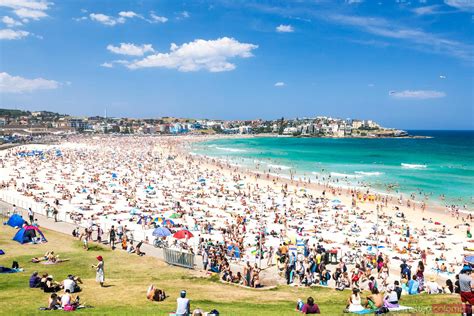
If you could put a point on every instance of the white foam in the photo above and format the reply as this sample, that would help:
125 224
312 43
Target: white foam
344 175
283 167
413 166
367 173
230 149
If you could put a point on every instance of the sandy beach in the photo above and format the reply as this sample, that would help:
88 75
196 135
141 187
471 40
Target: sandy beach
141 183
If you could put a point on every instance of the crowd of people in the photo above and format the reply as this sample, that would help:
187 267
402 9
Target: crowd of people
250 228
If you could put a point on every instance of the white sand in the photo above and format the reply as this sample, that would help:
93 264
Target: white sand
87 167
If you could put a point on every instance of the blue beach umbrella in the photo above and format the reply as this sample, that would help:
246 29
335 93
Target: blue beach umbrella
161 232
469 259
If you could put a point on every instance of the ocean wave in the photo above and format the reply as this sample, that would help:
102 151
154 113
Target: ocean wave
283 167
413 166
344 175
367 173
236 150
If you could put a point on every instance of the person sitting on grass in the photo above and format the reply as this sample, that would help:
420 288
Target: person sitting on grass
183 305
154 294
375 300
35 280
413 285
51 286
70 283
53 302
67 301
138 250
391 297
354 303
310 307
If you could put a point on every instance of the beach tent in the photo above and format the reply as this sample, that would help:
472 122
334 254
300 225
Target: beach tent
15 221
161 232
27 233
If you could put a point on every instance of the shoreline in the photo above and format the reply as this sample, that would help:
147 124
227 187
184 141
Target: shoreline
430 202
178 147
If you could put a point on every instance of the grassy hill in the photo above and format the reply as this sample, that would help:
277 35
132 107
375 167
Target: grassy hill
128 277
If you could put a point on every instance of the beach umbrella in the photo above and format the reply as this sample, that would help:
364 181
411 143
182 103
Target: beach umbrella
182 234
336 201
175 215
114 175
161 232
167 222
469 259
134 211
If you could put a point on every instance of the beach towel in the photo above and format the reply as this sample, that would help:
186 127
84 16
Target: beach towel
399 308
364 311
9 270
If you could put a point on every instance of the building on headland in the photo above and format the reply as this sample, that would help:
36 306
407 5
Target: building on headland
319 126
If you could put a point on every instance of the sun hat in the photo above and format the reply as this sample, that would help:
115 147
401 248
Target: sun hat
99 258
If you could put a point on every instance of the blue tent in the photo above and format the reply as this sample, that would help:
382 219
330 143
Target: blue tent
15 221
27 233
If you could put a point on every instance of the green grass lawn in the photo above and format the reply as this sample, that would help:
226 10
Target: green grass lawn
129 277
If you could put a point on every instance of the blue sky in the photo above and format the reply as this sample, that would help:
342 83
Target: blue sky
406 64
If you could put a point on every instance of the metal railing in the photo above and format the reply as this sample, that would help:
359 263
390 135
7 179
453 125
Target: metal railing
179 258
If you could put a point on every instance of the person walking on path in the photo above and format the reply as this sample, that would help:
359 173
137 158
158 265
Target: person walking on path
112 236
31 215
99 268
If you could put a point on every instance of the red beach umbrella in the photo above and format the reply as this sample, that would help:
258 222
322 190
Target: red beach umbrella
183 234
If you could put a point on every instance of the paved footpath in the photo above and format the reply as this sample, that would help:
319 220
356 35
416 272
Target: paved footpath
267 276
67 228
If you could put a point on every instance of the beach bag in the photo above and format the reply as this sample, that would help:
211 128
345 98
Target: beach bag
69 308
382 310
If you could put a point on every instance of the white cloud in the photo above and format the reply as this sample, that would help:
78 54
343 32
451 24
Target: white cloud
107 65
157 18
210 55
442 77
27 9
17 84
128 14
354 1
30 14
284 28
417 94
418 39
131 49
9 34
185 14
280 84
371 85
109 20
106 19
463 5
10 22
426 10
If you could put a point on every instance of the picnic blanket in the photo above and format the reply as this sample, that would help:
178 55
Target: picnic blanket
9 270
392 309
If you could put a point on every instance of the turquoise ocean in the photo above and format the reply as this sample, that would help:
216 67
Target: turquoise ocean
440 167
